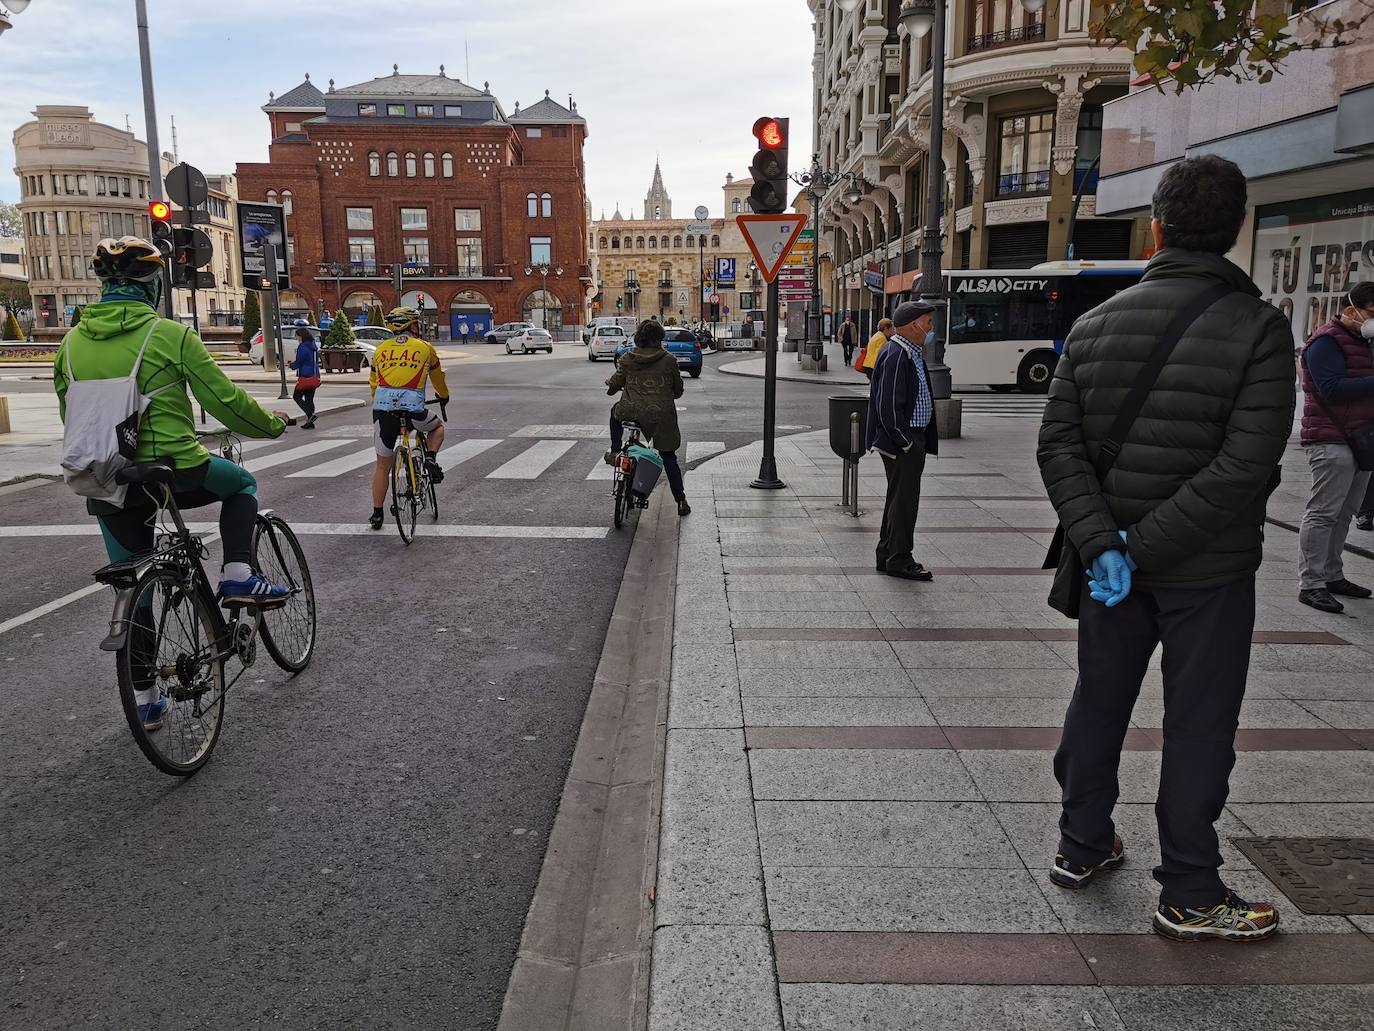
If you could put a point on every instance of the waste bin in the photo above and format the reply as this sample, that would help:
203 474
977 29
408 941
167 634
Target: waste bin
842 409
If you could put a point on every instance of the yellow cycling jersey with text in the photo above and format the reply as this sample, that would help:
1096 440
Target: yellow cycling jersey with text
400 368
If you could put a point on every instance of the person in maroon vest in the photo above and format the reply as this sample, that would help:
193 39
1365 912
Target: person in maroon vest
1338 398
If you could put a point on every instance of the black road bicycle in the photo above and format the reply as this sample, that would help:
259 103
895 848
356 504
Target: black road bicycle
170 634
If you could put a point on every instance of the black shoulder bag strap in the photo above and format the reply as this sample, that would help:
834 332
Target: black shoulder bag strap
1116 438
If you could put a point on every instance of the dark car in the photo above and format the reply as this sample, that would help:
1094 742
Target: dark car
682 344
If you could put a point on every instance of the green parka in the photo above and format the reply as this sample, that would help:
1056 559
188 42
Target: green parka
1192 481
652 383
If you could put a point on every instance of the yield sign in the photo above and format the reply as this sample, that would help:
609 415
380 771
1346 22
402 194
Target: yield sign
770 238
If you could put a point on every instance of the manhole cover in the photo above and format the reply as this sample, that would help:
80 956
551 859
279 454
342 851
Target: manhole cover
1321 876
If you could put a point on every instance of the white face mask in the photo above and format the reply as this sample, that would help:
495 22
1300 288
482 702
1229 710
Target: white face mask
1367 329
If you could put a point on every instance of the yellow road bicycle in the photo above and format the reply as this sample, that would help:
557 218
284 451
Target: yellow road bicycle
412 491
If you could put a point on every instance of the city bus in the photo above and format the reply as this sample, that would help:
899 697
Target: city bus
1007 326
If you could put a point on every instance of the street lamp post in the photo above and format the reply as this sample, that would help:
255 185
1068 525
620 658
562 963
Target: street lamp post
15 7
817 182
544 270
921 18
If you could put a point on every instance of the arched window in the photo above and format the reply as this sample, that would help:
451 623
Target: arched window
691 241
603 243
429 166
532 205
715 241
658 211
286 202
393 164
272 197
653 243
639 243
546 204
748 205
374 163
447 165
410 165
615 243
734 206
677 241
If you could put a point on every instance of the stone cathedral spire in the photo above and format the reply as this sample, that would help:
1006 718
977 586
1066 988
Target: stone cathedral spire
657 204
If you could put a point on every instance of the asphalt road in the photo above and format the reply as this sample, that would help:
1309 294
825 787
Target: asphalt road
362 847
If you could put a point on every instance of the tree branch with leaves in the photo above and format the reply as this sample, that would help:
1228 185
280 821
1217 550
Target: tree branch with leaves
1192 42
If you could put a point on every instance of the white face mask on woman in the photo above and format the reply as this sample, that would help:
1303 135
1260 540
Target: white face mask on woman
1366 327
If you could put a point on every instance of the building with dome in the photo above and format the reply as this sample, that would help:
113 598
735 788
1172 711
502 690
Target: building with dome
650 264
425 174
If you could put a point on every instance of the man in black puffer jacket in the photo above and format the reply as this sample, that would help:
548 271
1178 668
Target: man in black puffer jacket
1184 507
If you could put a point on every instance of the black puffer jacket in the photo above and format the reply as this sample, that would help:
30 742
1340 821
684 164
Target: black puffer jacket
1191 483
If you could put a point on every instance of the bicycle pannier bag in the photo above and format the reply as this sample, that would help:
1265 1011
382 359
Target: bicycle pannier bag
648 468
101 433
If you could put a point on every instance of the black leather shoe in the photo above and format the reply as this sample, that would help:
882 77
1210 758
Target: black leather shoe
882 568
1364 522
1320 598
912 572
684 509
1346 589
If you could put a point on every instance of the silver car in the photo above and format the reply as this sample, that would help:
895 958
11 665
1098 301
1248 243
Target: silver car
503 332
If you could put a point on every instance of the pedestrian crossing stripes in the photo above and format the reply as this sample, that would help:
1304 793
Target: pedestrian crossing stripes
1004 406
349 450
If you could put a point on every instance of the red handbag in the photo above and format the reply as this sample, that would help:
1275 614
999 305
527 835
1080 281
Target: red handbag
308 382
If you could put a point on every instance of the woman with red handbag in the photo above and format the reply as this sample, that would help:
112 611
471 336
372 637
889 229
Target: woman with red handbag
307 366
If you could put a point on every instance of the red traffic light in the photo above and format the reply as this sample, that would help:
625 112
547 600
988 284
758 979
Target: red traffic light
770 133
159 210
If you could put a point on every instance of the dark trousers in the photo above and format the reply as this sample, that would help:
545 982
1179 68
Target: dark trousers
902 506
670 467
1206 637
1367 505
305 401
847 343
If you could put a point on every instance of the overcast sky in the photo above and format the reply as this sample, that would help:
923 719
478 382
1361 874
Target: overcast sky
681 81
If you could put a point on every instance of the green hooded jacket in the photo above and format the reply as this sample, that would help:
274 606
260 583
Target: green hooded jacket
652 383
104 345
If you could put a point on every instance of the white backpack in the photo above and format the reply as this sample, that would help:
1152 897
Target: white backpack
101 432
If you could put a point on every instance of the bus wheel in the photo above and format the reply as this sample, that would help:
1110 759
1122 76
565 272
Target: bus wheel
1037 369
1001 388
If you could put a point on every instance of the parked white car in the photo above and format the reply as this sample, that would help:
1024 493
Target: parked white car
503 332
367 344
532 338
603 342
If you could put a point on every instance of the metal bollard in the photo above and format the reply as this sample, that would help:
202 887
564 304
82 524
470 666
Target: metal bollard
849 485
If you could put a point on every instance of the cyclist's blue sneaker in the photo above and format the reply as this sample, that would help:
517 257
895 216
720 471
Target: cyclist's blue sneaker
255 590
152 713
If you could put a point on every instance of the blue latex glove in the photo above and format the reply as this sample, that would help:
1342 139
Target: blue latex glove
1109 578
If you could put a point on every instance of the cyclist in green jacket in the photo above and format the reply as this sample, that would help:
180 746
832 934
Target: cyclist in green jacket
103 345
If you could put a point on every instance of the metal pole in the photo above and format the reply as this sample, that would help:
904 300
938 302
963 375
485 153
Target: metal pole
932 279
155 189
1077 200
768 465
816 335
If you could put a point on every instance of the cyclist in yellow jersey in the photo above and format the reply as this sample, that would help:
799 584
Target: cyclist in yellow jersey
399 370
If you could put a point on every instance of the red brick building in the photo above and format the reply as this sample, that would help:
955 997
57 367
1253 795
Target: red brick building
429 173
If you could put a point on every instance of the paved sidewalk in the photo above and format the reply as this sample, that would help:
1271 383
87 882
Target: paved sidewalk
859 807
837 373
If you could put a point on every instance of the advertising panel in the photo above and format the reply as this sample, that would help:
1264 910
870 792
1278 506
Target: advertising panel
260 225
1309 253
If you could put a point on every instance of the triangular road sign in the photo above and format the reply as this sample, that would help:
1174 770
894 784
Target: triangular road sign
770 238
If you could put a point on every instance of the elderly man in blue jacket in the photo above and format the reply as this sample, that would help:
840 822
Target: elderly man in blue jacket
901 428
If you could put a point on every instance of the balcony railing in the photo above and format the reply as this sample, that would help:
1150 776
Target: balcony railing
1007 37
422 270
665 282
1023 182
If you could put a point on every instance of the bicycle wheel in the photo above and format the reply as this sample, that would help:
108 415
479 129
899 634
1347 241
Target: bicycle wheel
621 502
433 498
404 502
171 649
288 631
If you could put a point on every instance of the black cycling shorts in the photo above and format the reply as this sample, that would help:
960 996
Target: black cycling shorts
386 427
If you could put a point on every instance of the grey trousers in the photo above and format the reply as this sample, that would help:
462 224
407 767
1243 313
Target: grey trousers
1337 490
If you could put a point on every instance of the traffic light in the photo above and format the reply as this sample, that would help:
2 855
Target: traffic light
769 167
160 219
192 249
620 304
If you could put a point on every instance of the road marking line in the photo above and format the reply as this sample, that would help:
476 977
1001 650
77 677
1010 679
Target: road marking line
460 452
577 431
92 529
15 488
254 465
338 466
52 606
533 461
